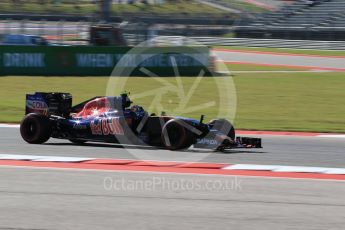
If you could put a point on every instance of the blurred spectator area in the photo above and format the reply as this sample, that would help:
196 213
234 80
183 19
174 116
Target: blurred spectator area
51 19
257 6
195 7
118 7
302 19
306 14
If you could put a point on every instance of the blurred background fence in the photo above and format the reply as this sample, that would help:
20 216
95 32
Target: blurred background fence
77 33
289 24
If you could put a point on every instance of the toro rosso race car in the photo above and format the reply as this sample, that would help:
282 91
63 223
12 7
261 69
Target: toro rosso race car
114 120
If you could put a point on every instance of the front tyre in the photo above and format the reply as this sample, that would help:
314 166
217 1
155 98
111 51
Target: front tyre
35 128
175 136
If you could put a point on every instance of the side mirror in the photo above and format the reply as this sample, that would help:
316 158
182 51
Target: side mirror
202 118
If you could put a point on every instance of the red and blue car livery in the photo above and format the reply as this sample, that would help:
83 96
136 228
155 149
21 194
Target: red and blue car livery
114 120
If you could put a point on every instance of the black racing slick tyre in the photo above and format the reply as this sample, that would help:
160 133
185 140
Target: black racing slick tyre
35 128
175 136
223 126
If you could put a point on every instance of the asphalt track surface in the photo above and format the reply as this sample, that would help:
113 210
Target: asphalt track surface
32 198
47 199
266 58
281 150
69 199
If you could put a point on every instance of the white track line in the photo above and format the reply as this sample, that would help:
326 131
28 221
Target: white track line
332 136
43 158
254 167
9 126
283 168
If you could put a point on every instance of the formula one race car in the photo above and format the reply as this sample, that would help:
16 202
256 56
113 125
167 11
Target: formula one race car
114 120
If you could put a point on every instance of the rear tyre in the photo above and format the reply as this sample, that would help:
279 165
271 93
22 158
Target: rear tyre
175 136
35 128
223 126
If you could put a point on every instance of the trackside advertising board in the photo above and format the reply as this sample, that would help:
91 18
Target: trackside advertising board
101 61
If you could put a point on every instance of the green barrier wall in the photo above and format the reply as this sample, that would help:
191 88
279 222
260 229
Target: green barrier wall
100 61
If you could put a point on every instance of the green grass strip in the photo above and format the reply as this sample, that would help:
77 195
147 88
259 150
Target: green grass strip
266 101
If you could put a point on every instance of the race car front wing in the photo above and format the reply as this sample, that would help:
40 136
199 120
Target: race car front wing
222 142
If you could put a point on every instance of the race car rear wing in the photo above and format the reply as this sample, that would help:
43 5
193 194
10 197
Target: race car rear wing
58 104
